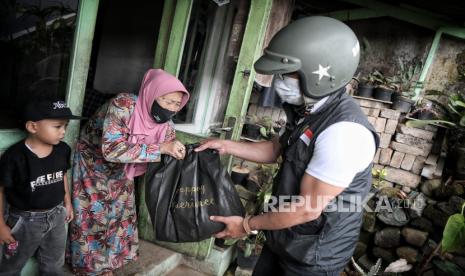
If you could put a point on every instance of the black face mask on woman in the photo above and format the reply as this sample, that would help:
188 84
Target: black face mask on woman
161 115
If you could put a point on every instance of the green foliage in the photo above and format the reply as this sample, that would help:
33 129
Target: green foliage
454 111
378 176
448 268
403 81
264 176
370 79
266 129
252 244
453 238
266 125
373 270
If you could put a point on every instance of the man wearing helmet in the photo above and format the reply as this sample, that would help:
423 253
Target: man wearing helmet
327 149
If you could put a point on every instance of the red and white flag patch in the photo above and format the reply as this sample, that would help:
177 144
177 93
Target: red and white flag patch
306 136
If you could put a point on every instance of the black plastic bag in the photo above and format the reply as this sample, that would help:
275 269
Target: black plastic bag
181 195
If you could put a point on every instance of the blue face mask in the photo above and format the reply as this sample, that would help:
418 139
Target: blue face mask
288 90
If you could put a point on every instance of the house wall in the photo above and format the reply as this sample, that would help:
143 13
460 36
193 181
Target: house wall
390 39
384 40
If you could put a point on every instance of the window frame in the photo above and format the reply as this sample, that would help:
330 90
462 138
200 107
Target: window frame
210 74
77 74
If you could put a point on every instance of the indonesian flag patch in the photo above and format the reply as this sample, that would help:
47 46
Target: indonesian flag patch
306 136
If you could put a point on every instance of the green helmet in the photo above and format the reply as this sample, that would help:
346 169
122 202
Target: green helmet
324 51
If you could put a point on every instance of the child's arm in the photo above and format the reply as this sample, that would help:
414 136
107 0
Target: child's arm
67 201
5 231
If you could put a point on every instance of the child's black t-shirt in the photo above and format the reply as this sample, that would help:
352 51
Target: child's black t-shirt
31 182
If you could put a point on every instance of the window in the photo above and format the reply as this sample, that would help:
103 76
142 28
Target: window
35 44
208 64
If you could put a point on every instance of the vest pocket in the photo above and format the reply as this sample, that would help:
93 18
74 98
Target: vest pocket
293 246
299 243
299 155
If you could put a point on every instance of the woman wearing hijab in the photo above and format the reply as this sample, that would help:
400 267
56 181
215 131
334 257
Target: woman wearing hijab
114 147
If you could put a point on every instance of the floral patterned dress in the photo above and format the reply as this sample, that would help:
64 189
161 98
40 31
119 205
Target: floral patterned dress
103 234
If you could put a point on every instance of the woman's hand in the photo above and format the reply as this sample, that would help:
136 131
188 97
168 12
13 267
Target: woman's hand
216 144
173 148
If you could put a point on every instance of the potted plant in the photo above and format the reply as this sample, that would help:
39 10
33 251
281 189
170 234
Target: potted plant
366 86
239 173
261 178
250 247
384 88
453 117
267 127
251 128
424 111
256 128
249 250
405 85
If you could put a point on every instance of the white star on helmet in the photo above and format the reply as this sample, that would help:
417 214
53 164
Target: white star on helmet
322 72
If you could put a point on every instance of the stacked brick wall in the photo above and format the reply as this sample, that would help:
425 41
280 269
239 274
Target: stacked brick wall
404 152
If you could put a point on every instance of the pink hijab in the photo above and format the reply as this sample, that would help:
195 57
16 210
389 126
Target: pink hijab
142 127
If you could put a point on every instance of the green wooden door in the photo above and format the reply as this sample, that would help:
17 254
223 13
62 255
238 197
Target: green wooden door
170 49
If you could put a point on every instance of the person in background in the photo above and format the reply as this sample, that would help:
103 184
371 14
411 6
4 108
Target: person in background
327 150
114 147
33 180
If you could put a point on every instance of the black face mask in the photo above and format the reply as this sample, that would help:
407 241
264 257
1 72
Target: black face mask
160 114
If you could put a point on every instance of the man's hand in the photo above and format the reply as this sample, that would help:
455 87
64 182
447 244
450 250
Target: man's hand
69 212
5 235
216 144
233 227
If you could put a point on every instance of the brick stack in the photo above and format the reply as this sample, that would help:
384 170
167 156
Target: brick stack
404 152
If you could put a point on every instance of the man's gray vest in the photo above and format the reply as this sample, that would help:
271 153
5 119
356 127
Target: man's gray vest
330 240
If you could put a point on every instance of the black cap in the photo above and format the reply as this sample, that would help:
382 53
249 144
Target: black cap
48 110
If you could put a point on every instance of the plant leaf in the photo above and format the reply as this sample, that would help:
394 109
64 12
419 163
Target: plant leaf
263 132
374 269
230 241
358 268
448 268
462 120
434 93
422 123
248 249
458 103
454 234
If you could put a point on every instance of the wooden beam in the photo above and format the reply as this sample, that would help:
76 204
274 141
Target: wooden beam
79 63
177 37
164 33
251 49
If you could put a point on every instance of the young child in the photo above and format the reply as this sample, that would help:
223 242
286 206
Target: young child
33 179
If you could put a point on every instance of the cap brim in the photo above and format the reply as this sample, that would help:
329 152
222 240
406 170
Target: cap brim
269 65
